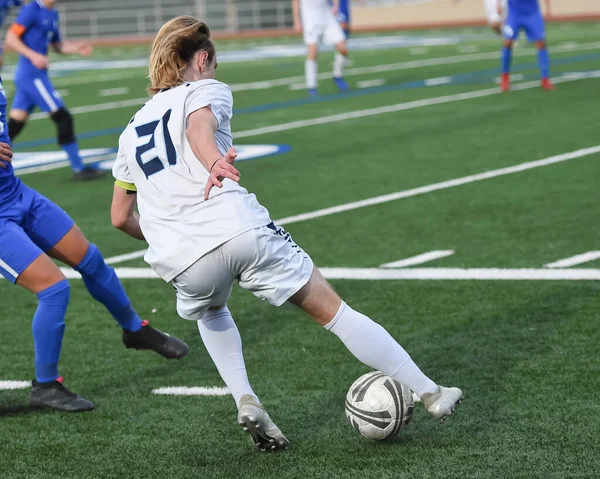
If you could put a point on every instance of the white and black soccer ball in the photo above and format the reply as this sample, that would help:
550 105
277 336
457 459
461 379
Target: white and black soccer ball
378 407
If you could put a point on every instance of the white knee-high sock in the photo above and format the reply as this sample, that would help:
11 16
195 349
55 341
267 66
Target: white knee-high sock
372 345
338 65
310 69
224 344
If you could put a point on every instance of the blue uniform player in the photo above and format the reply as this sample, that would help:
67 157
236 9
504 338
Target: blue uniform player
34 31
32 231
343 16
525 15
5 7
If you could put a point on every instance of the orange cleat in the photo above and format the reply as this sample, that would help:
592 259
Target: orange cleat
546 84
505 82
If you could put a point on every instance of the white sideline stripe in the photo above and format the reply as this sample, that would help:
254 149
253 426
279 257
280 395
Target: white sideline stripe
10 385
400 107
264 85
64 92
373 274
430 188
419 259
418 51
477 274
575 260
191 391
370 83
95 79
10 271
438 81
39 84
125 257
470 48
297 86
114 91
440 186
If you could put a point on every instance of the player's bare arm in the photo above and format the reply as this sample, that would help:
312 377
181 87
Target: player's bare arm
73 48
13 41
123 214
335 5
296 13
6 154
200 133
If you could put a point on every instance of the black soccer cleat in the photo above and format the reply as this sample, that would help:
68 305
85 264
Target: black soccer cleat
149 338
89 174
55 396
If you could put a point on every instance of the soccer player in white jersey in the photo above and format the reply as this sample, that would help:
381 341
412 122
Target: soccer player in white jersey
205 231
318 22
495 11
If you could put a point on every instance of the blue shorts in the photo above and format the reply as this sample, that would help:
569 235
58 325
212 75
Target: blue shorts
37 91
29 226
532 23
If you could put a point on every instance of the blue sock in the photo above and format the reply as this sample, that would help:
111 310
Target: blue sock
506 59
72 149
48 330
102 283
544 62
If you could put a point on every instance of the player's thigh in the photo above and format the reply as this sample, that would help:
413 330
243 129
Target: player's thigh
71 248
318 299
44 95
46 223
22 105
334 34
267 262
535 27
23 262
312 30
204 285
511 27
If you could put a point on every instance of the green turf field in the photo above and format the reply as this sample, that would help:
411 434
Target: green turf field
525 352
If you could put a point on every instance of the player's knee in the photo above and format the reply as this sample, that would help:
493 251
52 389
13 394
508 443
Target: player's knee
93 263
540 45
508 43
15 127
59 293
64 125
342 48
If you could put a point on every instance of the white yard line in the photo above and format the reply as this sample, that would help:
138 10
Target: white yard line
375 274
377 200
114 91
191 391
125 257
370 83
438 81
11 385
419 259
265 85
575 260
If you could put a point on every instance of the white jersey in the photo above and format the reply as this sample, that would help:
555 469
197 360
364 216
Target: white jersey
155 156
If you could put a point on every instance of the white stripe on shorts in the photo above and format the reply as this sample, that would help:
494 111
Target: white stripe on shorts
39 84
11 271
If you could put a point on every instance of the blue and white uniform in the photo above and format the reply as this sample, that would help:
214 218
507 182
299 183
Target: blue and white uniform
38 27
30 224
524 15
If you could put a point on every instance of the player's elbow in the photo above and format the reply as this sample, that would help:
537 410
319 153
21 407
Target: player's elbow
119 219
10 40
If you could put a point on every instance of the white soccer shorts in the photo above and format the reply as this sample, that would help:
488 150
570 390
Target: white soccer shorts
263 260
491 11
325 28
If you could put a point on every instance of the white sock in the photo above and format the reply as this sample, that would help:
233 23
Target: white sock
310 69
224 344
338 65
372 345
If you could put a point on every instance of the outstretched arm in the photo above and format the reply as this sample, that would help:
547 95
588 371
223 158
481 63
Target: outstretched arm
296 14
122 212
73 48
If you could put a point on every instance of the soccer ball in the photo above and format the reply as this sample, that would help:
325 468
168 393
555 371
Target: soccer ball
378 407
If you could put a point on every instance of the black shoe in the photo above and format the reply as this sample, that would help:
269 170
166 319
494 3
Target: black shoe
149 338
55 396
88 174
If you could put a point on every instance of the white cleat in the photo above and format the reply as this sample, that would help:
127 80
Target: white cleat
253 419
442 403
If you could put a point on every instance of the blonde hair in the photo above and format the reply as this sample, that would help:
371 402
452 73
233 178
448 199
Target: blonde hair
174 46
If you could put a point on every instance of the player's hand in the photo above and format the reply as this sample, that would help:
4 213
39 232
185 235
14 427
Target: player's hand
335 9
40 61
500 10
297 27
85 49
223 168
6 154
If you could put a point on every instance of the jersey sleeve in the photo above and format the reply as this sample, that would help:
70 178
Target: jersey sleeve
216 96
121 172
24 20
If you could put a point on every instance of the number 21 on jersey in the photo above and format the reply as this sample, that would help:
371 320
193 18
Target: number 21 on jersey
168 153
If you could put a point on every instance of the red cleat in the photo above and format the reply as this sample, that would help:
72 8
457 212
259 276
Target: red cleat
505 82
546 84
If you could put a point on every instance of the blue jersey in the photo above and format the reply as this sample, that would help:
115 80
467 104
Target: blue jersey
38 27
523 7
8 181
5 6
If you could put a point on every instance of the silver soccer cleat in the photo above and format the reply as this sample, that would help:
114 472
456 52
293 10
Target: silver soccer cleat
253 419
442 403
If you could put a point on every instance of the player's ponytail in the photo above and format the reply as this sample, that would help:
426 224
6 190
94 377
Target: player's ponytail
175 45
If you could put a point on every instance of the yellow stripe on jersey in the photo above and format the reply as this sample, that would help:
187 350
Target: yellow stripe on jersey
125 186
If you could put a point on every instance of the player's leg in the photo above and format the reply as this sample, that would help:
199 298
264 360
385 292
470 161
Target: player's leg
312 31
536 32
23 263
55 233
18 116
511 32
335 36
